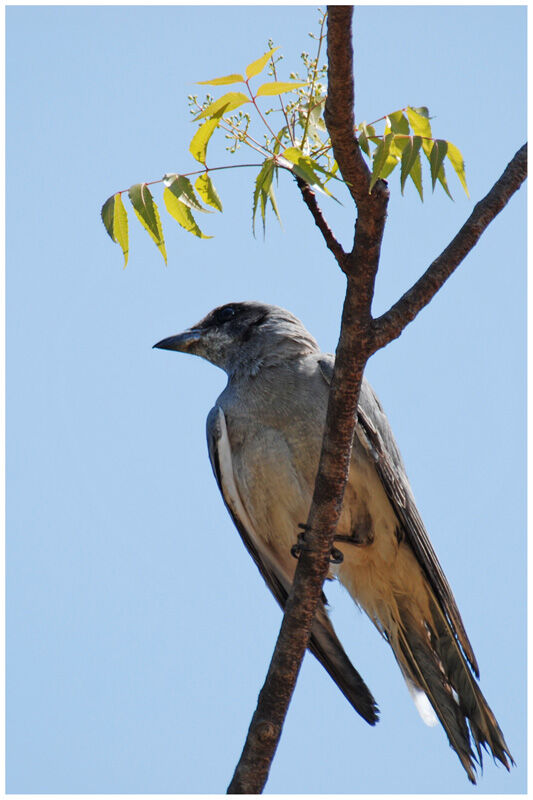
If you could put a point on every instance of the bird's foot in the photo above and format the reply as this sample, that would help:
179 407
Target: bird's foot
336 557
301 544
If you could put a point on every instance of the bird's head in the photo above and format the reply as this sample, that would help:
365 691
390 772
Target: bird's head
243 337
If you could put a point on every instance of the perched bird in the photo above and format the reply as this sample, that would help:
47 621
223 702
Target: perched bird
264 437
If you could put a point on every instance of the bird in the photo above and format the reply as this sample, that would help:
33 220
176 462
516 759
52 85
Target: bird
264 437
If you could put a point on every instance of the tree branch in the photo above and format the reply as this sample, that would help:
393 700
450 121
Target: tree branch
352 352
391 324
339 110
310 201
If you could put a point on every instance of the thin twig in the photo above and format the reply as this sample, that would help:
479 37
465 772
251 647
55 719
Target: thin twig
330 240
321 37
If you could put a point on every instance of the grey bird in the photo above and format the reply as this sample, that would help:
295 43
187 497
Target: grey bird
264 437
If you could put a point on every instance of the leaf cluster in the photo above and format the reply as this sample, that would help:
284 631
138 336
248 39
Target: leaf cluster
294 138
406 135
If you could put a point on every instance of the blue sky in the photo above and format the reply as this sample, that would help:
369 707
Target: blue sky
138 629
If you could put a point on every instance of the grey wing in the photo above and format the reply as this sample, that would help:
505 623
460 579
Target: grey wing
375 434
323 643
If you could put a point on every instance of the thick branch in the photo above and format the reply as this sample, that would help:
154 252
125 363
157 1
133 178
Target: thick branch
372 207
310 201
391 324
338 113
355 345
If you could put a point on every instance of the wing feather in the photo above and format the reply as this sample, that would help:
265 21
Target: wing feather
375 434
323 643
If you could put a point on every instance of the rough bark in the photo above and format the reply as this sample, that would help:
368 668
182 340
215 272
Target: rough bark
360 267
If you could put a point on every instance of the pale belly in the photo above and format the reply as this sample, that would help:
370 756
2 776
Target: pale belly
276 479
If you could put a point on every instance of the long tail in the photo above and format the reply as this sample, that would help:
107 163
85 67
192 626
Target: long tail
431 659
325 645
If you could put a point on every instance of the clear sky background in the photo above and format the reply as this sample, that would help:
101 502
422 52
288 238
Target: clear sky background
139 630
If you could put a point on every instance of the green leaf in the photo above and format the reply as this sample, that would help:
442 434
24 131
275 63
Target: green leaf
419 122
108 215
456 158
115 219
231 100
416 176
200 140
380 157
410 153
147 214
301 167
121 226
398 122
436 158
441 177
363 142
398 144
257 66
390 163
277 87
181 187
224 81
329 173
263 183
273 203
279 139
315 115
208 193
305 167
182 214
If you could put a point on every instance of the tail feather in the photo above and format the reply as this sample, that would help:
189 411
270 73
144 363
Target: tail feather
483 725
430 657
325 645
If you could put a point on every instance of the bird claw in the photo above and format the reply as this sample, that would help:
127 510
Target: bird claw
300 545
335 557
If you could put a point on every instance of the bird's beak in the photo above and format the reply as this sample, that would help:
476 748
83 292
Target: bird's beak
183 342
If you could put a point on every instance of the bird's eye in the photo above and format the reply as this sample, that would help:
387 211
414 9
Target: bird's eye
225 314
